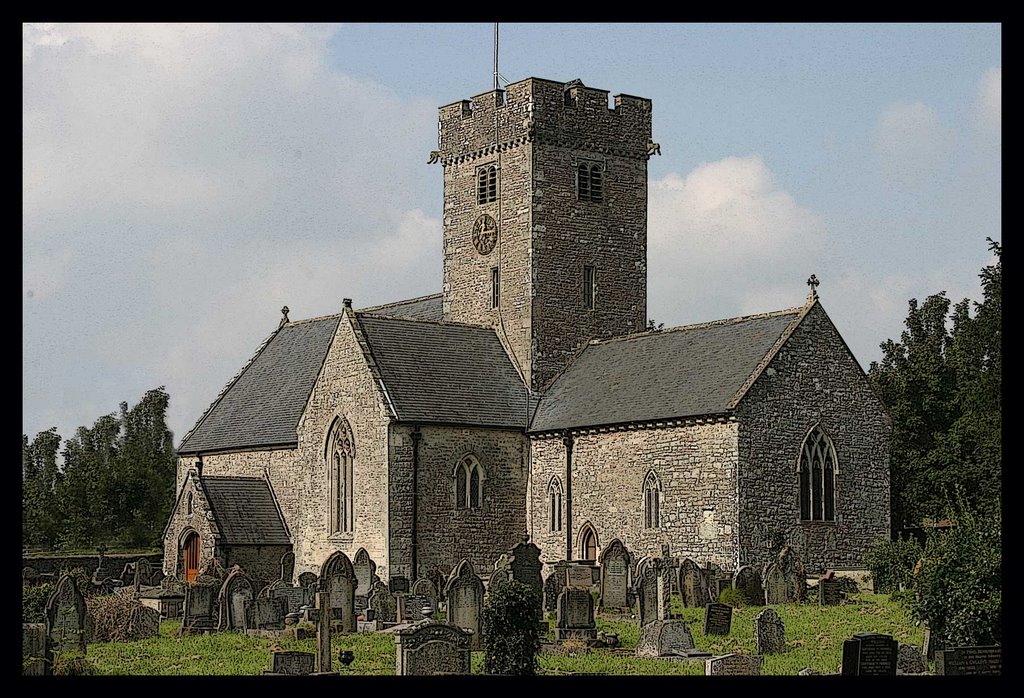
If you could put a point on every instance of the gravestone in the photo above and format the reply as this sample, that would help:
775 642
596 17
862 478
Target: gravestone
553 585
985 660
503 564
769 632
717 619
287 567
307 579
338 579
497 577
654 593
666 638
748 580
291 664
365 569
734 665
29 576
199 609
641 565
579 576
424 589
909 660
575 615
526 567
693 587
870 654
236 591
398 585
465 594
409 607
614 563
323 633
65 618
829 592
294 597
267 613
794 574
774 586
382 602
432 647
143 572
36 659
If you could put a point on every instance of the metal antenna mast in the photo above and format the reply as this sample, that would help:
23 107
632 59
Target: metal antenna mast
496 55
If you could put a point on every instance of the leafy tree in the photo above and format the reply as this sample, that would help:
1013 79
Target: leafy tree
511 635
39 476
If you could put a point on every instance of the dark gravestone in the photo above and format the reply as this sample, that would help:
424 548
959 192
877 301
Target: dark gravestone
526 568
795 575
552 588
323 631
287 567
829 592
398 585
870 654
36 659
717 619
769 632
424 589
65 618
985 660
666 638
748 580
291 664
647 595
734 665
143 572
295 597
307 579
199 606
614 576
465 594
431 647
575 619
693 586
382 602
579 576
267 613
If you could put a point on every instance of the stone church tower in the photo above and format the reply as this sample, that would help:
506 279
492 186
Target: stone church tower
545 218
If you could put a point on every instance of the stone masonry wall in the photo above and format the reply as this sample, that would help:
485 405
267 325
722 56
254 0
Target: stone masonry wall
813 380
200 521
447 534
697 469
262 563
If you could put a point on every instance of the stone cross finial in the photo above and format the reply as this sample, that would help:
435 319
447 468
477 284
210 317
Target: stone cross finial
284 315
812 283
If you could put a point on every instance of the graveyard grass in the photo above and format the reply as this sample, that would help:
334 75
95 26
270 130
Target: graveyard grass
814 638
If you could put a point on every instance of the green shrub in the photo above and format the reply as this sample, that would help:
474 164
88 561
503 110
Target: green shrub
958 584
73 665
33 603
892 563
736 598
511 633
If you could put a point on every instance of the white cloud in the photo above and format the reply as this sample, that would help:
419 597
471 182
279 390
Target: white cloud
990 99
911 143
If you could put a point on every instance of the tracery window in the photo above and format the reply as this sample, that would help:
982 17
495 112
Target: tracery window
817 469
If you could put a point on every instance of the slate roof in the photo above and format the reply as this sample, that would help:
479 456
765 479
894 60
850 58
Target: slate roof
263 404
679 372
245 511
446 373
423 308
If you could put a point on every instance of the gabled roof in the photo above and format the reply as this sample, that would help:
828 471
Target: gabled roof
679 372
422 308
263 404
245 510
446 372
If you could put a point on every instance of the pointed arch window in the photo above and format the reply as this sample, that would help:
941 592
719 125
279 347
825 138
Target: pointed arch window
817 471
555 504
341 456
191 504
469 483
588 542
487 184
652 501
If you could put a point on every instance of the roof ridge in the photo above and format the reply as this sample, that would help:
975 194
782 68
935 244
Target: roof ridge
313 319
439 294
698 325
232 477
445 323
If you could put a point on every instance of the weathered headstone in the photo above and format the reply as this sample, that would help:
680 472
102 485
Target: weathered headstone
143 572
465 594
382 602
526 568
424 589
199 609
398 585
65 618
985 660
579 576
287 567
365 569
267 613
665 638
870 654
291 664
36 659
829 592
497 577
748 581
295 597
717 619
431 647
553 585
337 578
693 587
647 595
909 660
614 576
503 564
575 615
775 586
236 591
734 665
795 575
323 633
769 632
307 579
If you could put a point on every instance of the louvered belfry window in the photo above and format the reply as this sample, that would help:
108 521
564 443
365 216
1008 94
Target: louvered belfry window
590 182
487 184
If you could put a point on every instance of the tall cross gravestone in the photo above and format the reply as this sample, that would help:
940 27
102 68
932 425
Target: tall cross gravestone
323 634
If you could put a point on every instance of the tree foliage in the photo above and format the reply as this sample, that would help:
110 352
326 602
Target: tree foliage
115 486
511 634
942 386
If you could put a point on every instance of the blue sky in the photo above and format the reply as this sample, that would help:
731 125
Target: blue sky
183 182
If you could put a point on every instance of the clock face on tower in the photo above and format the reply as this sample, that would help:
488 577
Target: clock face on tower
485 234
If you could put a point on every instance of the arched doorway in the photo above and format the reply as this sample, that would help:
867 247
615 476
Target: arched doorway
588 543
190 553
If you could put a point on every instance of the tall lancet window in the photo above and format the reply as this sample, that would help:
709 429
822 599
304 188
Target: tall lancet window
469 483
652 501
555 504
341 455
817 471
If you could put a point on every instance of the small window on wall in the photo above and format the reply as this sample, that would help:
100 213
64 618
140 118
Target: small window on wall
588 287
590 182
555 504
652 501
469 482
495 287
487 184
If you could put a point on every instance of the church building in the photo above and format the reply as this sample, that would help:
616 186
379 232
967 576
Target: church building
530 396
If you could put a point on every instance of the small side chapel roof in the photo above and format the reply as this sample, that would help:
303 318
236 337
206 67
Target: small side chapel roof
686 371
245 511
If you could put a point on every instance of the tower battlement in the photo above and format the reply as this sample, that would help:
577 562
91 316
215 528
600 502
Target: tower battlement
566 114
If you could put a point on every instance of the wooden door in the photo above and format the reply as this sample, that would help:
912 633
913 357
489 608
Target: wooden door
191 557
